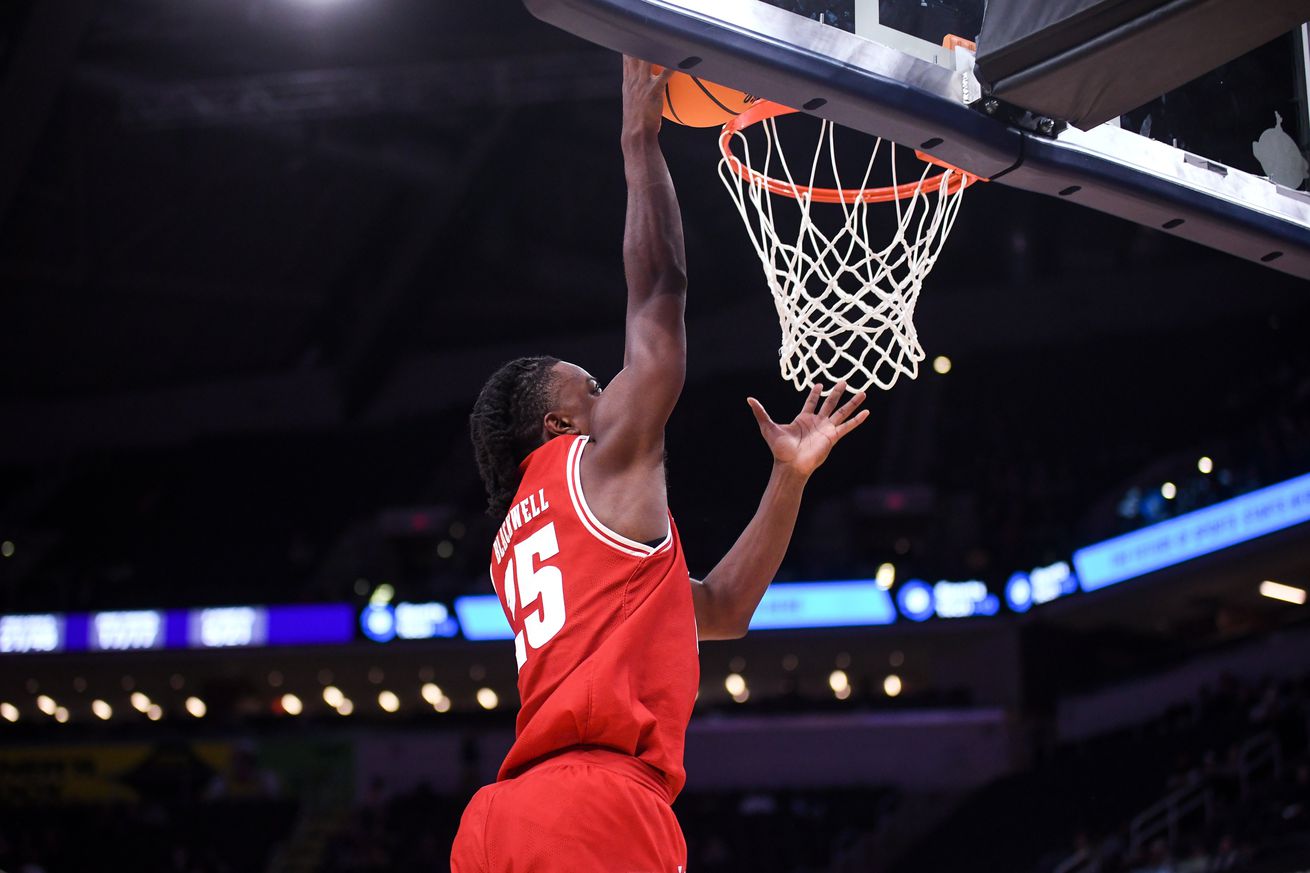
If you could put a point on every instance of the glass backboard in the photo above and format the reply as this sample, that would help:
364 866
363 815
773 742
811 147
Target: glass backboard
1189 162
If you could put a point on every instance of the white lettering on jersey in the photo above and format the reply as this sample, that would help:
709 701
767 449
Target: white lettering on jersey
539 590
519 514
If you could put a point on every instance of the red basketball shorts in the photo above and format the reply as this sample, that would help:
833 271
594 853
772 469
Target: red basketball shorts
574 813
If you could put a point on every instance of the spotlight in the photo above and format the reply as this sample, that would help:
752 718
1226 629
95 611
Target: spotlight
941 365
885 576
488 699
345 707
292 705
735 684
61 715
196 707
388 701
432 693
154 713
1285 593
102 710
140 702
442 705
46 704
891 686
838 681
8 712
1168 491
1205 465
332 696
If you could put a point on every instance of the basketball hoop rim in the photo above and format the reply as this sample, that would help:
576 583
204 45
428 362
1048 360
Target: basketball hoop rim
954 178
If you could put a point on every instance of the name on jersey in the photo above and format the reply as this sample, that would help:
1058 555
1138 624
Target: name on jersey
519 514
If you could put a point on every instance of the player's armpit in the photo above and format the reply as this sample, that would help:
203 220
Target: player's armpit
710 619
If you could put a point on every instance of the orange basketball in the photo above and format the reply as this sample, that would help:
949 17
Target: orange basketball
698 103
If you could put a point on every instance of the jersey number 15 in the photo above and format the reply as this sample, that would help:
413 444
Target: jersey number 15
526 584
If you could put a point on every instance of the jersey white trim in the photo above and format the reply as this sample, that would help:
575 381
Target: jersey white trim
573 475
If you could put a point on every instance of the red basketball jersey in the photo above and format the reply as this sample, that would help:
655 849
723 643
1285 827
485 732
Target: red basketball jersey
604 627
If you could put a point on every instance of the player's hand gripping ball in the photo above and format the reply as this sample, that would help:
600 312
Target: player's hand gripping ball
698 103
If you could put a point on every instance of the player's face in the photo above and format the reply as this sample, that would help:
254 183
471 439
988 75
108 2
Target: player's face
576 393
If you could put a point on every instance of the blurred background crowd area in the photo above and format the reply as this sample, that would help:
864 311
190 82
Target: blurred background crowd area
1220 782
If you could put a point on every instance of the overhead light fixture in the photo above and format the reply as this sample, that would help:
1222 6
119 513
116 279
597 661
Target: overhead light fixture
388 701
102 710
196 707
838 681
1205 465
488 699
8 712
155 712
1168 491
1285 593
735 684
345 707
61 714
332 696
885 576
46 704
140 702
292 704
432 693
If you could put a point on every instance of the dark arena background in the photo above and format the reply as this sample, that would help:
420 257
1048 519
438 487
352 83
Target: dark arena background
1044 613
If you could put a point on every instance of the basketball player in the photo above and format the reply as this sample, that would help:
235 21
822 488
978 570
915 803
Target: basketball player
590 571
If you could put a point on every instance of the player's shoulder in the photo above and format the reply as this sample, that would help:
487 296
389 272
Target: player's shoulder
552 451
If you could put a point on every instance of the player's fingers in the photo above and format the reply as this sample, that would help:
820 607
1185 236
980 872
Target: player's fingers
661 74
830 402
851 425
848 408
813 399
760 415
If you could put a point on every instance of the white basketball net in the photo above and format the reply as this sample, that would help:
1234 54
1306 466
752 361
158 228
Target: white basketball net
845 305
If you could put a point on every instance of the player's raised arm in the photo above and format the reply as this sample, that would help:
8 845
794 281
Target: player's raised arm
729 594
628 426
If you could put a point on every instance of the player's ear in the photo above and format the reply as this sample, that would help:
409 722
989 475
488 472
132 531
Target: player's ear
558 424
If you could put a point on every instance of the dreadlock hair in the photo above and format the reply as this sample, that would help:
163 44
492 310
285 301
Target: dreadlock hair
506 425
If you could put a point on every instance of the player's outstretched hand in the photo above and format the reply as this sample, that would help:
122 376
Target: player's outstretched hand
804 444
643 96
